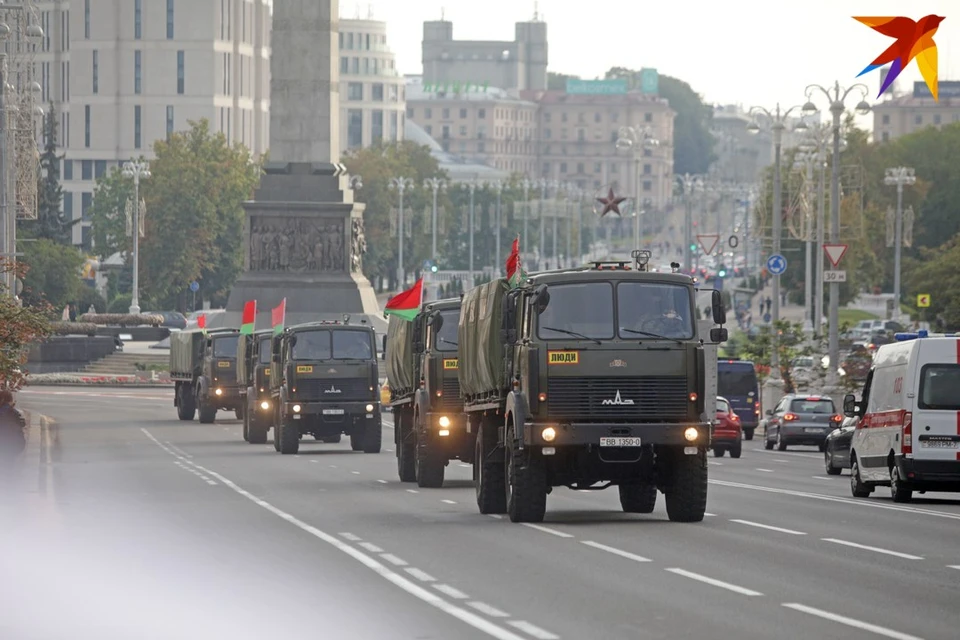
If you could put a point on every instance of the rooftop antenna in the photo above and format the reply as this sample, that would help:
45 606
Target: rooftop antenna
443 14
356 11
536 10
369 12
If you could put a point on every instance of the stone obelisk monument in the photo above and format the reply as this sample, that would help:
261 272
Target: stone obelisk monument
303 236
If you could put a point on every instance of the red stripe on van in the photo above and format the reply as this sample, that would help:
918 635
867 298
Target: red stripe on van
957 342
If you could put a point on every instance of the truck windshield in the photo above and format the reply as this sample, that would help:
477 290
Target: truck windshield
584 309
447 336
645 308
225 347
352 345
340 344
312 345
265 351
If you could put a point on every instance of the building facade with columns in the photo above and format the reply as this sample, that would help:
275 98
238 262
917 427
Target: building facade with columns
902 114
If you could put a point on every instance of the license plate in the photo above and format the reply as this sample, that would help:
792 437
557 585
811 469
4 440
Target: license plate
333 412
813 430
938 444
619 442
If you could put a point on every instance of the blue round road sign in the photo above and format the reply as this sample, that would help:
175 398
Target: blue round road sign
776 264
194 286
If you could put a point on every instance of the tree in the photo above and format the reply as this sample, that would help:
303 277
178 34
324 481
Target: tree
195 219
107 213
692 141
53 274
759 349
20 326
937 273
51 223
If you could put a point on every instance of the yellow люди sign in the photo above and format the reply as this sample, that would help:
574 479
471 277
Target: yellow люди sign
451 363
304 368
563 357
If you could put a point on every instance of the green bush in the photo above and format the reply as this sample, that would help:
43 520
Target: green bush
120 304
87 296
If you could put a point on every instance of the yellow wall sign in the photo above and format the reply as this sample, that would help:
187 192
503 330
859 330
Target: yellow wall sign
923 300
563 357
451 363
266 372
224 364
304 368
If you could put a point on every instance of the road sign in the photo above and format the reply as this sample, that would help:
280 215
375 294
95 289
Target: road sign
733 241
923 300
708 241
194 286
776 264
835 253
835 275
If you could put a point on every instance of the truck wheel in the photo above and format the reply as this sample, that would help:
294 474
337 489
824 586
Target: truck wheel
526 480
638 497
406 465
257 429
207 413
289 436
373 437
686 494
246 428
276 430
186 403
488 473
239 412
356 441
428 465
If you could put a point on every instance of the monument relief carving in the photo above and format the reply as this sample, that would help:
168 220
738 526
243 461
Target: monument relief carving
358 245
296 245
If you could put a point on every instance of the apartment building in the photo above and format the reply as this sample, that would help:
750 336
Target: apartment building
139 70
371 90
903 114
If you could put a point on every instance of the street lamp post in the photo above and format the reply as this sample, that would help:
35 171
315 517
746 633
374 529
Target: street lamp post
401 184
136 169
688 184
898 176
472 188
435 185
498 189
636 139
526 184
836 95
545 184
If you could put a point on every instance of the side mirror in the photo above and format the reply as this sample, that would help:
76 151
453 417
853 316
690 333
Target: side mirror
719 311
769 412
436 321
383 351
540 299
850 408
718 335
292 341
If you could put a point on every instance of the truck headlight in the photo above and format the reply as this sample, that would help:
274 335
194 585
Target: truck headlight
691 434
444 421
219 392
369 408
264 405
296 408
549 434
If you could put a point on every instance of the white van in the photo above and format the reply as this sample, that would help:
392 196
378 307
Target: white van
908 434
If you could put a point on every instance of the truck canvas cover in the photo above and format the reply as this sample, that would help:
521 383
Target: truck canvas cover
478 339
184 349
399 354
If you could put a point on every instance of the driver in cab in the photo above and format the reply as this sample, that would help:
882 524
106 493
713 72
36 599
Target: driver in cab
658 318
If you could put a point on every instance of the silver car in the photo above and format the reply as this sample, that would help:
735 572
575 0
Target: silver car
800 420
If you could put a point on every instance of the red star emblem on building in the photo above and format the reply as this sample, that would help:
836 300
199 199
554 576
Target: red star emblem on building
611 203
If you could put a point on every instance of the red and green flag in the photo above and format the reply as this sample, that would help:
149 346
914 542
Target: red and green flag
249 320
202 322
407 303
277 316
515 273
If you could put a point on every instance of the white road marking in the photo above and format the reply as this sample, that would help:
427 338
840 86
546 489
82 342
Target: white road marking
716 464
554 532
369 546
350 537
314 461
855 545
780 460
533 630
791 453
953 566
769 527
870 504
766 470
448 501
420 575
495 516
615 551
178 449
394 560
486 609
710 515
850 622
412 491
398 580
382 481
716 583
356 473
821 477
451 591
333 466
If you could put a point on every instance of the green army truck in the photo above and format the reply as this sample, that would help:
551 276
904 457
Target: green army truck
587 378
204 369
253 372
324 382
422 364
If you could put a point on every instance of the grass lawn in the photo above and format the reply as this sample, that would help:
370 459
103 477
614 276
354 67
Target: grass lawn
853 316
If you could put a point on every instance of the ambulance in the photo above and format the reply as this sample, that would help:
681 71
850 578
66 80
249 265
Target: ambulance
908 431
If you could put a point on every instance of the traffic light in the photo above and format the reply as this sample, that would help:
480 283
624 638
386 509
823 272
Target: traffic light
693 246
722 271
433 268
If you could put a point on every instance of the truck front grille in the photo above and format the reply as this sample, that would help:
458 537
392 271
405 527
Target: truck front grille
451 394
333 390
660 399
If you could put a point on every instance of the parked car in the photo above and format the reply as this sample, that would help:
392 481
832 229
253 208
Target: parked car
171 319
836 450
800 420
727 430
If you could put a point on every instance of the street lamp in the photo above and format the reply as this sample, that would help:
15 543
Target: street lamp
472 188
355 182
526 184
636 139
898 176
689 183
836 95
497 186
401 184
435 185
136 169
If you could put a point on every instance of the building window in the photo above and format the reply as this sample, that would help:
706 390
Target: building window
86 169
481 131
376 126
137 19
481 147
648 117
377 92
647 185
137 77
598 167
169 120
409 112
86 19
463 130
918 119
180 73
427 113
355 66
86 201
349 41
68 205
563 167
96 72
886 118
580 168
136 127
99 168
354 128
647 169
68 169
463 113
355 91
446 113
429 130
936 118
885 136
481 113
169 19
581 135
344 63
86 126
596 117
394 132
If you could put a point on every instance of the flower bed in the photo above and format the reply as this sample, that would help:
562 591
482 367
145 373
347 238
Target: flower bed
122 319
73 328
93 379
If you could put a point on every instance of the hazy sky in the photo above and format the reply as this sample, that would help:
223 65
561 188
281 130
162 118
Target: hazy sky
753 52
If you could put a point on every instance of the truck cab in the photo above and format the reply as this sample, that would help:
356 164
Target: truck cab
253 371
204 368
324 382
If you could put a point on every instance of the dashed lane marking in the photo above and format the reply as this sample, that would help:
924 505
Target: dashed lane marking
448 501
423 576
615 551
850 622
350 537
453 592
369 546
769 527
533 630
486 609
553 532
766 470
382 481
394 560
715 583
412 491
855 545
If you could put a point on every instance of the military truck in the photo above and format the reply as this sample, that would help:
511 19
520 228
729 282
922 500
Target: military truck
587 378
429 425
204 369
324 382
253 372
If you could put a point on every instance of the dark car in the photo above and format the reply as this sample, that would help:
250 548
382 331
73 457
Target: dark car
727 430
800 420
836 449
171 319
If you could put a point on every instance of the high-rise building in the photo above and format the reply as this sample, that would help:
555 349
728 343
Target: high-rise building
139 70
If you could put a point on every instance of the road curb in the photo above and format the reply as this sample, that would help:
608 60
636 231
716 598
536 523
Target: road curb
105 385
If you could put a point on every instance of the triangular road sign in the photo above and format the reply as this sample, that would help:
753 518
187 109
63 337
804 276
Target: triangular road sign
708 242
835 252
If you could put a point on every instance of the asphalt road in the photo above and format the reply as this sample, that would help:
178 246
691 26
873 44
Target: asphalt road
138 525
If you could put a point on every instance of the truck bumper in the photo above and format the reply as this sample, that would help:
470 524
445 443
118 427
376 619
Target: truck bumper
225 396
334 411
447 431
582 434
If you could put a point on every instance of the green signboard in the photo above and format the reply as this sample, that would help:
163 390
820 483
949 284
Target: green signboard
615 87
649 81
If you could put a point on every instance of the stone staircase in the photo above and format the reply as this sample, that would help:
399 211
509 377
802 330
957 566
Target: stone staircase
126 363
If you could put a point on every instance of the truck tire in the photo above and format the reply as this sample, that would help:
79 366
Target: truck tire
246 427
406 465
256 429
488 473
289 436
356 441
638 497
526 480
207 413
429 467
239 412
686 494
276 430
373 437
186 403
